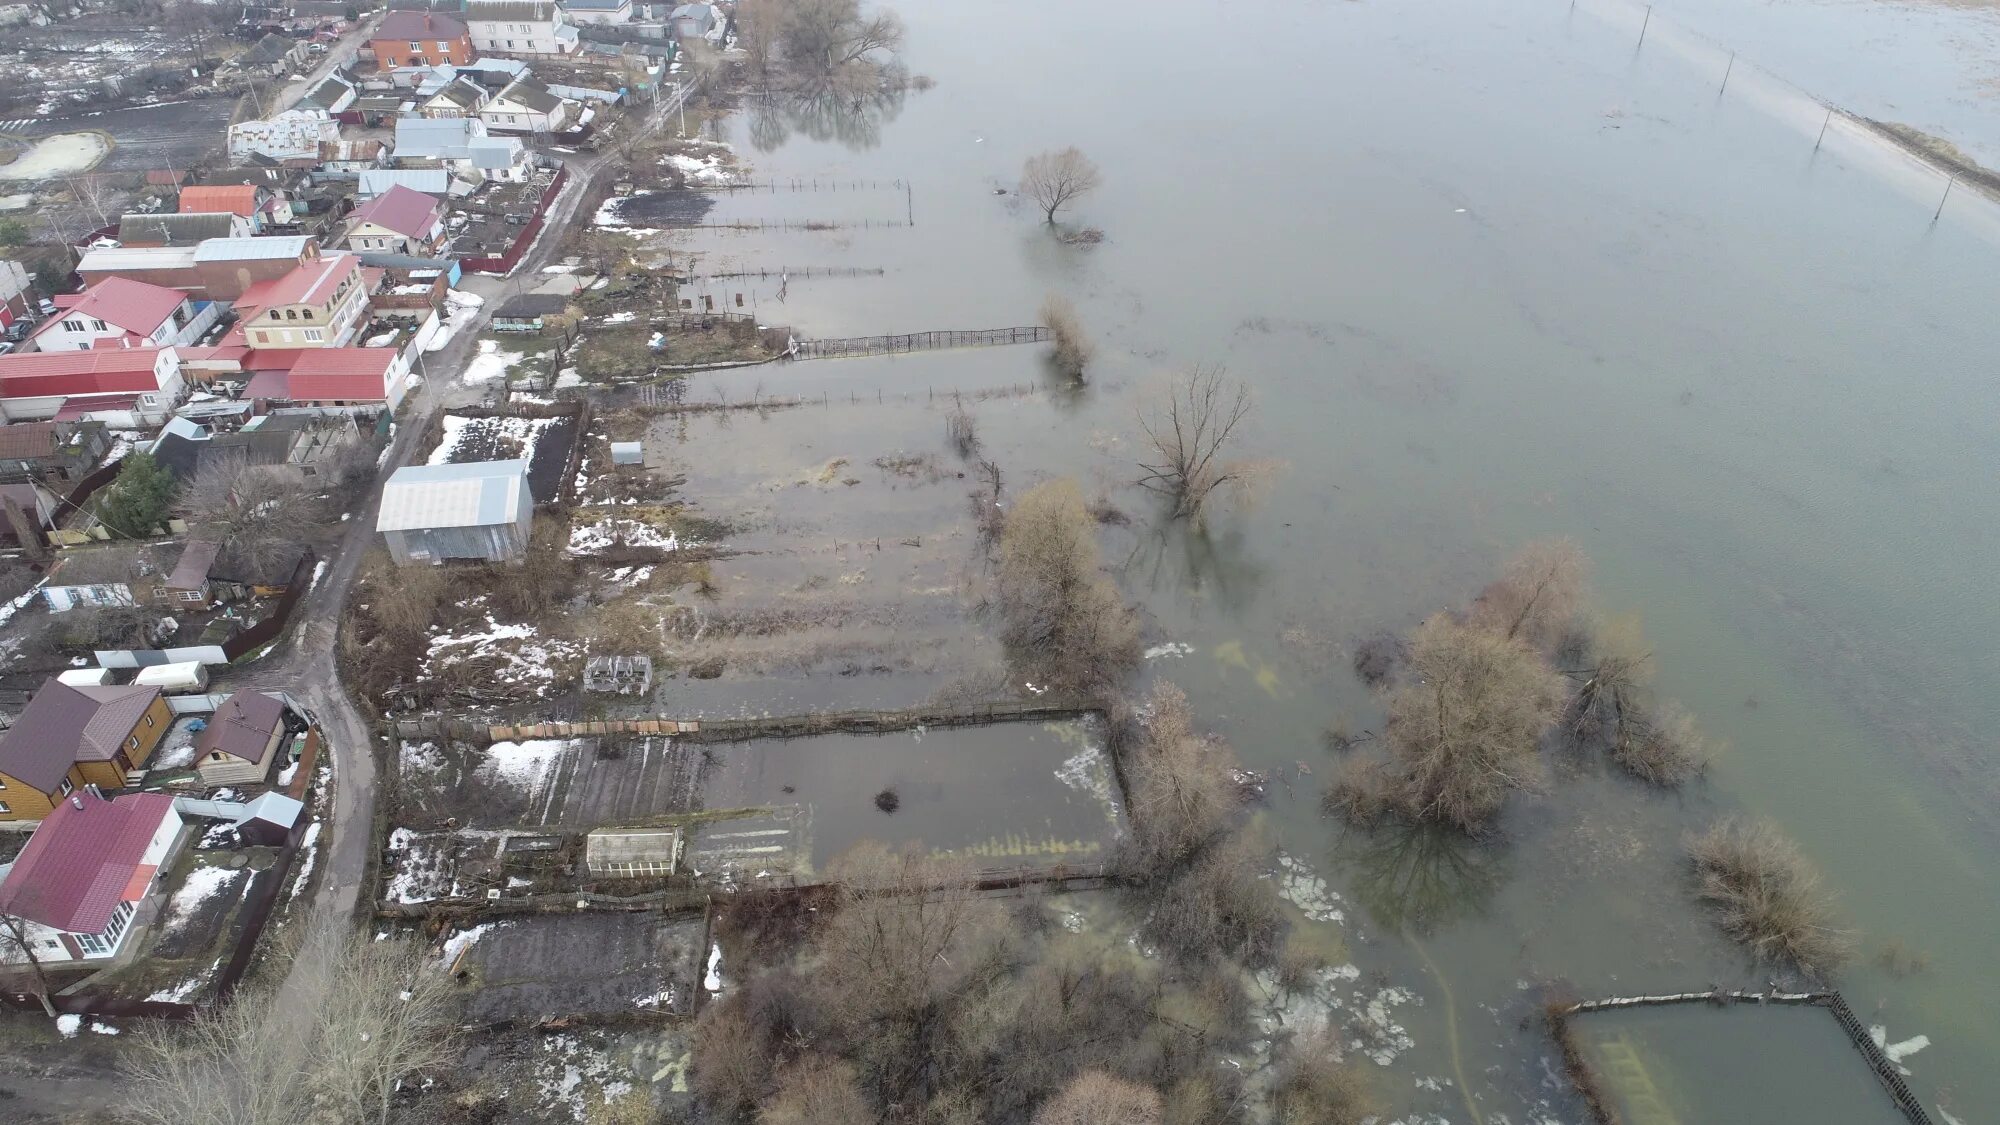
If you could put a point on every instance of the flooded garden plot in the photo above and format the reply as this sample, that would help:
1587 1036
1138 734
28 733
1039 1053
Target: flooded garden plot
597 966
1742 1062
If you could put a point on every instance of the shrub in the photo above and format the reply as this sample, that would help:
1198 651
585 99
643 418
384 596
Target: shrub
1218 907
1668 751
1096 1098
1314 1087
1060 612
1536 598
1766 896
1074 348
1182 797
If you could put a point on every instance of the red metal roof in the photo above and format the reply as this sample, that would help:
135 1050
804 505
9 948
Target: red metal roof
310 283
404 210
94 371
328 375
82 862
237 199
75 408
120 302
270 386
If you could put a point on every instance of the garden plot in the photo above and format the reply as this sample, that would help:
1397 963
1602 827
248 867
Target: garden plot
545 443
515 658
525 970
505 785
594 1076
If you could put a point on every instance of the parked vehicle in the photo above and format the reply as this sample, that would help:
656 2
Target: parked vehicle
187 676
85 677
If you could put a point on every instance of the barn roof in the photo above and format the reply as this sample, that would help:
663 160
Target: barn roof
473 494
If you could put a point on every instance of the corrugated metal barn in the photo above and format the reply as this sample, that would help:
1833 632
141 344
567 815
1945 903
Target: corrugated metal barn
480 510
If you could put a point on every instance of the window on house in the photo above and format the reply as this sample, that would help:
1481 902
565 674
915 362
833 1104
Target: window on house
291 314
73 325
510 44
149 720
314 335
132 742
3 783
186 596
274 314
91 943
390 61
416 46
443 46
65 788
308 314
96 325
120 918
4 808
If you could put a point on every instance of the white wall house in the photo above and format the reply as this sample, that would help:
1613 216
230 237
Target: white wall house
90 841
120 313
520 27
527 106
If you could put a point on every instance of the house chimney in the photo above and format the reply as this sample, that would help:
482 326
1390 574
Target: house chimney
76 801
94 791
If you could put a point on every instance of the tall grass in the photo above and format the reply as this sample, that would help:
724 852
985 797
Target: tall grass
1767 896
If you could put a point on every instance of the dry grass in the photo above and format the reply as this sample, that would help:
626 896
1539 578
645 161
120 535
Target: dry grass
1766 896
1315 1087
1669 751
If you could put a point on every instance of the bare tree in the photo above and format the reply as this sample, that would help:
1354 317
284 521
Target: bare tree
256 510
14 935
390 1015
1315 1087
1537 597
760 25
1182 798
1060 611
817 1091
1056 179
1096 1098
1074 348
823 37
1462 731
1767 896
365 1015
1189 428
92 194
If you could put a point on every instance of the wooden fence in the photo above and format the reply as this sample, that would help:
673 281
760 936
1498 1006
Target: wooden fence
1885 1068
740 730
921 342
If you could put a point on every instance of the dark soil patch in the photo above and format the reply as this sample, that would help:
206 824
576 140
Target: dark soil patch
666 209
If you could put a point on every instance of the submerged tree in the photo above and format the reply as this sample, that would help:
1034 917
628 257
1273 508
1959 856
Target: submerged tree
1182 797
821 37
1096 1098
1059 610
1767 896
1537 597
1462 731
1056 179
1074 349
1188 430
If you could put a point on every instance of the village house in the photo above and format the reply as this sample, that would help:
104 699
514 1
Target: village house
334 94
54 453
126 388
120 313
461 97
520 27
88 868
271 56
529 312
70 736
245 200
430 181
352 155
694 21
527 106
241 740
400 221
599 11
302 445
281 187
421 39
155 575
334 378
461 145
318 304
481 510
181 230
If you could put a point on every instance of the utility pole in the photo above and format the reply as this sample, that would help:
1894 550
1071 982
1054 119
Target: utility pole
1948 185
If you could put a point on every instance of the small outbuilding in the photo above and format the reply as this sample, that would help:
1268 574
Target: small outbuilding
627 453
632 853
241 740
480 510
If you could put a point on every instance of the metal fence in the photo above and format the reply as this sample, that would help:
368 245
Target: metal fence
921 342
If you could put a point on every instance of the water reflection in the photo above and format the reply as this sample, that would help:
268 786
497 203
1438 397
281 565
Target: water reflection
1211 561
853 120
1414 878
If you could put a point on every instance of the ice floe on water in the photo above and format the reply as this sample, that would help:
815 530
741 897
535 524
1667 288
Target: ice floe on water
1302 887
1171 648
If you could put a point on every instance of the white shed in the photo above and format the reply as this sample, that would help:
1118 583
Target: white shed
481 510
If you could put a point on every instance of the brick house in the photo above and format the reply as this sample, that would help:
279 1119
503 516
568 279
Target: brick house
421 39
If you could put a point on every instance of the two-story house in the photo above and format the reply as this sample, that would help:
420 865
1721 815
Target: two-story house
71 736
421 39
399 221
121 313
521 27
320 304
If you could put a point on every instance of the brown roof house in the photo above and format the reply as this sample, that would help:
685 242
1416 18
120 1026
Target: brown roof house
241 739
72 736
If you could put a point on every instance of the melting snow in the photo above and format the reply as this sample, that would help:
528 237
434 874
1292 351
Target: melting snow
489 364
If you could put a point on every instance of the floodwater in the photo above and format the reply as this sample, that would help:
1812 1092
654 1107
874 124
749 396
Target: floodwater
1498 271
1663 1066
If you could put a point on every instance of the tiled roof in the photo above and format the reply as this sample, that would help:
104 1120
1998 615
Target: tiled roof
241 727
63 725
412 26
81 861
237 199
404 210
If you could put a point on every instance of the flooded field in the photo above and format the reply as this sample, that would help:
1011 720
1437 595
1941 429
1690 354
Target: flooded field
1691 1063
1497 272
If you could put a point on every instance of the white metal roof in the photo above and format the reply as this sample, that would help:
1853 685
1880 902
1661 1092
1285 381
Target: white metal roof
245 249
475 494
137 258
